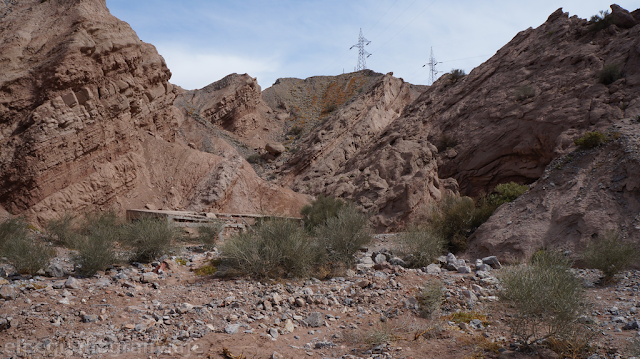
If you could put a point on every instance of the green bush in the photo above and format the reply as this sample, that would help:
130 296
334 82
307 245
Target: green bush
296 130
208 235
446 141
590 140
61 231
451 220
420 246
254 158
319 211
524 92
545 299
95 252
149 238
26 254
508 192
12 228
430 297
600 21
457 74
609 74
343 235
610 254
276 248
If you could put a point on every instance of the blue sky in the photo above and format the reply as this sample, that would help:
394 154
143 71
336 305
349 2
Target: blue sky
205 40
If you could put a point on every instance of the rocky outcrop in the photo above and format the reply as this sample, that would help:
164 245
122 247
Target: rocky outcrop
87 120
344 157
235 105
579 197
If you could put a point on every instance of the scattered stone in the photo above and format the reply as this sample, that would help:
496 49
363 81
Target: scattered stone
185 307
315 319
4 324
634 325
232 328
275 148
103 282
288 326
380 258
274 333
149 277
55 270
492 261
397 261
89 318
433 269
276 355
72 283
8 292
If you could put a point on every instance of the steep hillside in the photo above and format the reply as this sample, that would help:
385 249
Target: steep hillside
505 121
87 121
579 197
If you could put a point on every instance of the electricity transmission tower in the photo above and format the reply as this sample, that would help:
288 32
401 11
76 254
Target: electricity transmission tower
433 73
363 54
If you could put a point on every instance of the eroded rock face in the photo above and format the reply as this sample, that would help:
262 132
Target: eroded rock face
579 197
87 119
515 113
234 104
344 157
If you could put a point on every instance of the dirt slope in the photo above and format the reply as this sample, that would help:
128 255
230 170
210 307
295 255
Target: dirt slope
87 121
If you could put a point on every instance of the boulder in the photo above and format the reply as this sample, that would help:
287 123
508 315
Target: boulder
275 148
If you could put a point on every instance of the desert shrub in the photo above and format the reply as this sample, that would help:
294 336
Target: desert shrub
95 252
524 92
254 158
276 248
610 254
26 254
12 228
430 297
508 192
590 140
544 297
149 238
344 234
420 246
208 235
296 130
600 21
320 210
61 231
451 220
457 74
609 74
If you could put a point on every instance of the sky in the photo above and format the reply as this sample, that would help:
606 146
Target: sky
204 40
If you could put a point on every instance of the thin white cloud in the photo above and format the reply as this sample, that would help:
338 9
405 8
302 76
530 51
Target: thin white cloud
192 69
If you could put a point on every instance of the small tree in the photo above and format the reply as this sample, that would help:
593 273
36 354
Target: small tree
320 210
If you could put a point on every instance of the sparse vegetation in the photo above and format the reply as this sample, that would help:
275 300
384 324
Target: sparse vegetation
344 234
208 235
544 298
95 246
590 140
329 108
26 254
296 131
254 158
430 297
455 218
61 232
457 74
420 246
149 238
320 210
609 74
276 248
600 21
524 92
610 254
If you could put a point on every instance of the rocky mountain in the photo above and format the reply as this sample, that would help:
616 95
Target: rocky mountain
87 121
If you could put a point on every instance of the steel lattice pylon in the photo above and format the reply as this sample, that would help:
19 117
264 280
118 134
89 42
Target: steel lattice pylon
433 73
363 54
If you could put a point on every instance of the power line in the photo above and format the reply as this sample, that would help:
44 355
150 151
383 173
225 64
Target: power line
385 13
409 23
362 53
433 73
